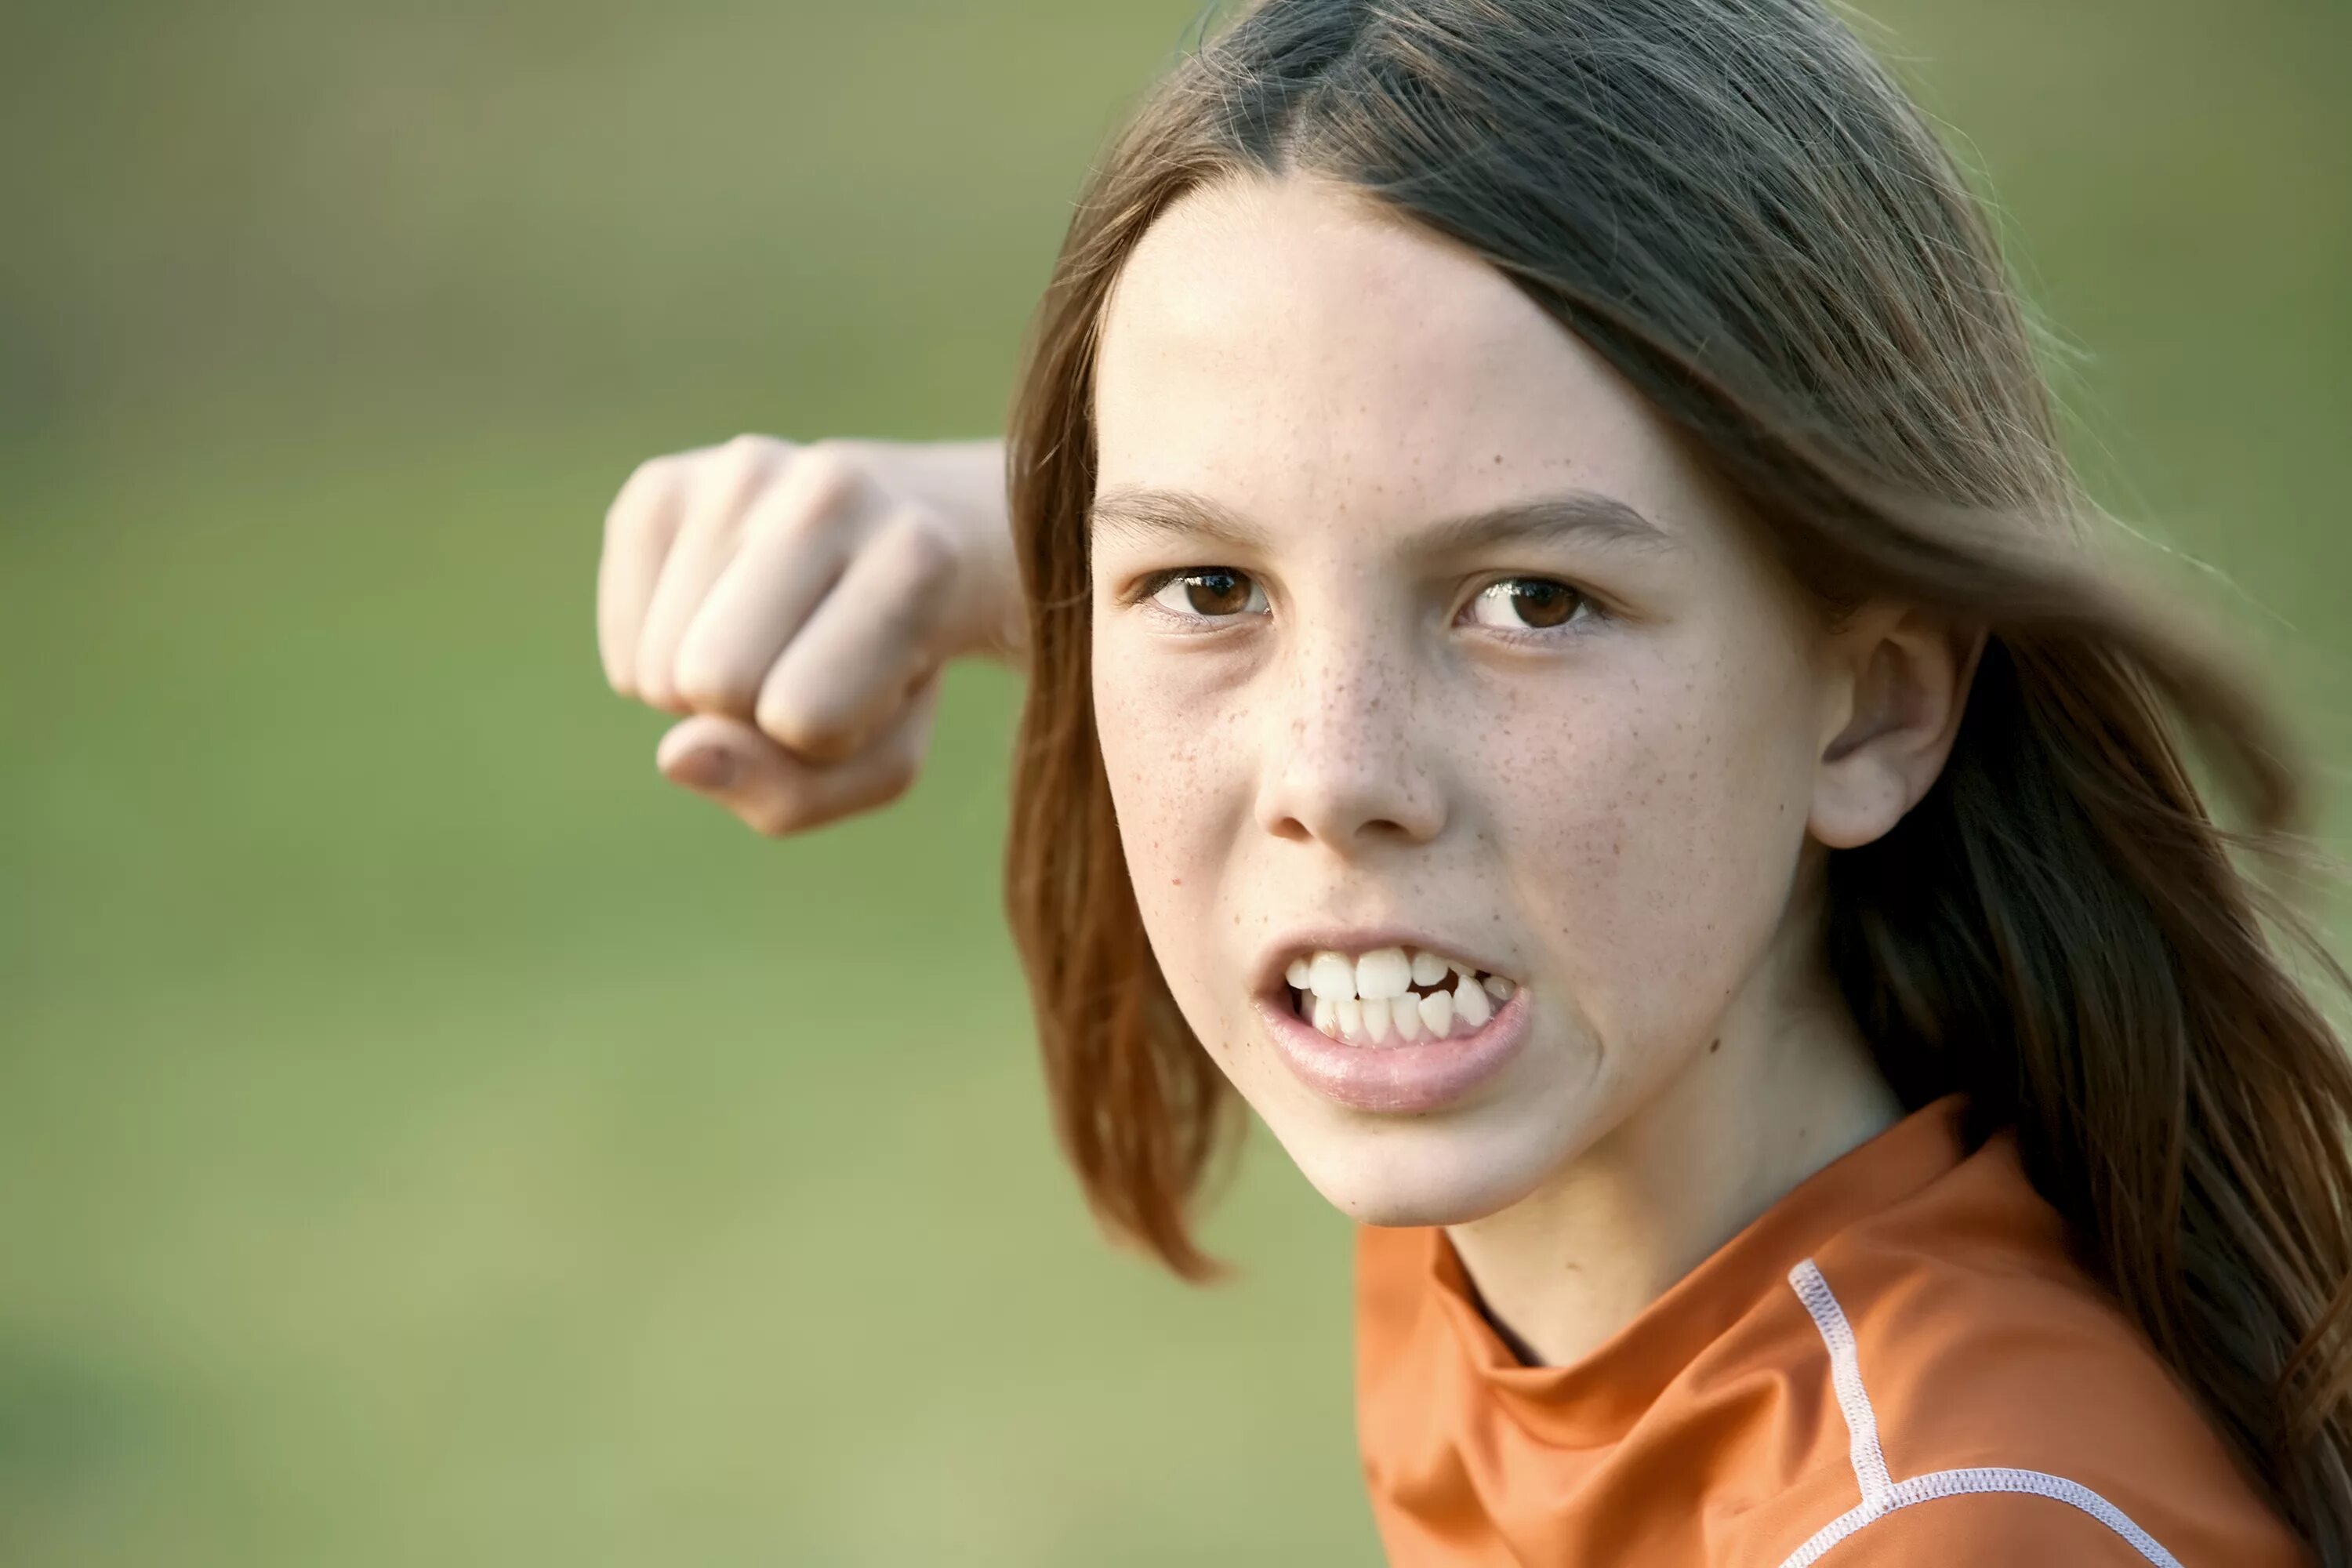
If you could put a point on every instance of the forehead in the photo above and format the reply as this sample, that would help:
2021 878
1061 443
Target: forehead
1287 349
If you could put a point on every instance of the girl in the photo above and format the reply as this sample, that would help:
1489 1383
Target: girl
1567 667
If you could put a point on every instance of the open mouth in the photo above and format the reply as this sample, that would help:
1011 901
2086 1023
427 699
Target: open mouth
1393 995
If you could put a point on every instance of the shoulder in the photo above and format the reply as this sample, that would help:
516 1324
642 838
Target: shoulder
2022 1518
1997 1402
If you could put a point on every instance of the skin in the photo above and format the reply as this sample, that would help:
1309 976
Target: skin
792 602
1626 813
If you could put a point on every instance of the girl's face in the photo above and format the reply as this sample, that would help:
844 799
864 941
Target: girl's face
1417 633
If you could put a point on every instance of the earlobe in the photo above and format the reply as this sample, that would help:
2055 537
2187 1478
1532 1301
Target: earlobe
1903 676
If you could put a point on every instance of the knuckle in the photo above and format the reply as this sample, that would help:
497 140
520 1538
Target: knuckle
921 551
825 473
656 684
739 464
705 684
784 511
806 498
819 733
749 449
631 508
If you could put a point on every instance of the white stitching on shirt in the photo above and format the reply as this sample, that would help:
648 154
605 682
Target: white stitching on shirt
1845 1373
1881 1496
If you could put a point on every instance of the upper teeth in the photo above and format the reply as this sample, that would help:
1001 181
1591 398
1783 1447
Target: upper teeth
1366 999
1382 975
1330 974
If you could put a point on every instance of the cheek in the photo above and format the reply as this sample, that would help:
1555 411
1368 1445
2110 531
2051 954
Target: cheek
1178 782
1664 824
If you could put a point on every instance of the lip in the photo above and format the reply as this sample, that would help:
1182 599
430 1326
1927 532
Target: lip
1399 1080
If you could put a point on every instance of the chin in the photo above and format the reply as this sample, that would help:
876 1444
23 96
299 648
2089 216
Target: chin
1422 1172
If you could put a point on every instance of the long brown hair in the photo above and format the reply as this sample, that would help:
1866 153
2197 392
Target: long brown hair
1732 202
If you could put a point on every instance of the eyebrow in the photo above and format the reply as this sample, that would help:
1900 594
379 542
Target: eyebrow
1141 512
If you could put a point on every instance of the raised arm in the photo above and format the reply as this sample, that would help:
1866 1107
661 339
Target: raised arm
794 602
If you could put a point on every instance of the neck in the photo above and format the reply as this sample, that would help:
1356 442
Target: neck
1784 1093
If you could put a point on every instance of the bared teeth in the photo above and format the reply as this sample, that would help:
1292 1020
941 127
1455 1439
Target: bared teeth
1412 994
1331 974
1437 1015
1384 973
1470 1003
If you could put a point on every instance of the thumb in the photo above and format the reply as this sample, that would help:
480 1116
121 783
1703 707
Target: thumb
775 793
708 752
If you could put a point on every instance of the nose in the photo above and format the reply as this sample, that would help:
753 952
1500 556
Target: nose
1348 762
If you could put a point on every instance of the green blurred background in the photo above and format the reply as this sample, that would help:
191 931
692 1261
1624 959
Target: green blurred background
427 1137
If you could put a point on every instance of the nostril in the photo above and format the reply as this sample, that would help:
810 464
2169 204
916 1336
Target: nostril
1291 829
1381 796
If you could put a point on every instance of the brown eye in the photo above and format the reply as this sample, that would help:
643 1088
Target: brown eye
1217 593
1528 602
1210 592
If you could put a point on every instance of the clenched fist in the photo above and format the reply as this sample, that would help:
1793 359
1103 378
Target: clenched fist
795 603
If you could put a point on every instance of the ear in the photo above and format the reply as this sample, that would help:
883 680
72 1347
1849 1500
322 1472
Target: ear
1897 681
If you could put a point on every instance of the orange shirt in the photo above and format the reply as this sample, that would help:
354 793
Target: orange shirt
1897 1364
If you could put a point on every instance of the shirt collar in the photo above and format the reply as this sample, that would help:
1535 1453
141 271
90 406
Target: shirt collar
1596 1399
